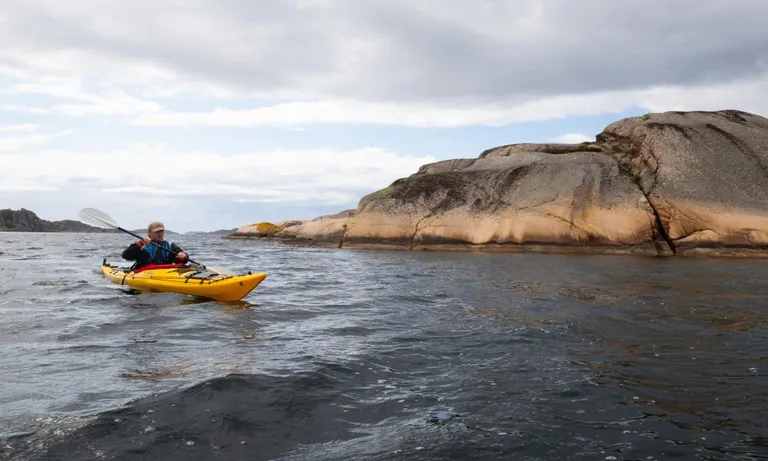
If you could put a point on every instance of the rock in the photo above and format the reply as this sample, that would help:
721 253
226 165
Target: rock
704 173
264 230
530 198
664 183
24 220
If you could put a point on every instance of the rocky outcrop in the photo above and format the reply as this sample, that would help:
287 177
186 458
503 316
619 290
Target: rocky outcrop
24 220
705 174
664 183
264 230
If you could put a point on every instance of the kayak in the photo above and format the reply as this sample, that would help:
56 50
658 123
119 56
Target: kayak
185 279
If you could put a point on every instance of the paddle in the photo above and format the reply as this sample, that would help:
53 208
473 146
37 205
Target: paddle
100 219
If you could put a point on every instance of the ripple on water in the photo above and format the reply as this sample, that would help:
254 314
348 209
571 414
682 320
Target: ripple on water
387 355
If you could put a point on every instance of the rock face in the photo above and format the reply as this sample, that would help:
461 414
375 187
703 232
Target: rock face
664 183
704 173
261 229
24 220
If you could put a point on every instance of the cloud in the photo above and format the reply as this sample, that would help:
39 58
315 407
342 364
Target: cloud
436 50
105 101
573 138
158 174
445 63
748 94
14 144
24 109
188 90
19 127
72 98
287 175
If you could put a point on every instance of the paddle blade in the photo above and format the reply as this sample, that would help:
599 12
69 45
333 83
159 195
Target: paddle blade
97 218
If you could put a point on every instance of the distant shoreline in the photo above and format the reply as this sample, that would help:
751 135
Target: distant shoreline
27 221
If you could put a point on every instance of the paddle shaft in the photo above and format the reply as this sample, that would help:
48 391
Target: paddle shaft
155 244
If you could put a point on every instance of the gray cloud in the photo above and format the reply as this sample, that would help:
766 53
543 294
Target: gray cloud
579 46
377 50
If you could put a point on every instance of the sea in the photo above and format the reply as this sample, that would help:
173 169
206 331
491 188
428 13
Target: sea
382 355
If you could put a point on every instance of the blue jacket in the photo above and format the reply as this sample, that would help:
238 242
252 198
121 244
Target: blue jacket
150 254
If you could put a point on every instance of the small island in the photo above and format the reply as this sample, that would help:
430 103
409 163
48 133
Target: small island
24 220
672 183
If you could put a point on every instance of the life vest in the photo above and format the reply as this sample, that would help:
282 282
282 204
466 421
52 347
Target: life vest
156 255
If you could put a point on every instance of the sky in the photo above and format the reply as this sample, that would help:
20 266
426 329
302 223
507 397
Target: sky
212 114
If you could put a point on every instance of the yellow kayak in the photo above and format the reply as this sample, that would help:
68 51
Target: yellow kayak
185 279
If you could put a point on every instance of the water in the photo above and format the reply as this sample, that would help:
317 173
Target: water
375 355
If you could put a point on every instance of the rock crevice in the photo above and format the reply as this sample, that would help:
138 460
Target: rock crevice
640 163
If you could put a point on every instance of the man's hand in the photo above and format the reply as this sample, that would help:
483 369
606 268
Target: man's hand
181 256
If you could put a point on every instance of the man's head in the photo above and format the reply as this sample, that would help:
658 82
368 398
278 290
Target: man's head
156 231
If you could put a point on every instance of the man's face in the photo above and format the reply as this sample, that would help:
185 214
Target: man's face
157 234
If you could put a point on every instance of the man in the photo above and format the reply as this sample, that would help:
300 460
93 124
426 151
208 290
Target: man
143 252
